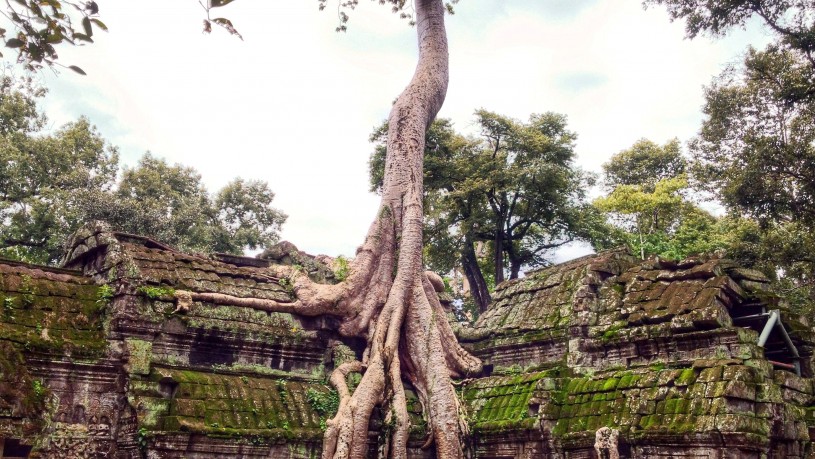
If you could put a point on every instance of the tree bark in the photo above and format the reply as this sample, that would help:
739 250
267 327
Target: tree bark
515 261
478 286
514 268
387 298
499 253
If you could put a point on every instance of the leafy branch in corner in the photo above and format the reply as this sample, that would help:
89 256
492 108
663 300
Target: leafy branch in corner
222 22
38 26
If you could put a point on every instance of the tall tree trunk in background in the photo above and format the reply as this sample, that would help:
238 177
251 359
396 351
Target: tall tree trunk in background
478 286
499 254
515 261
514 268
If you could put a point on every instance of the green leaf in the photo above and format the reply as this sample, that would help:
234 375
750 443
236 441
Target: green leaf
52 3
14 43
100 24
83 37
77 69
86 24
219 3
54 38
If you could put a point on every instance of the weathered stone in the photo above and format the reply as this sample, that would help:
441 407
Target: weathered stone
599 344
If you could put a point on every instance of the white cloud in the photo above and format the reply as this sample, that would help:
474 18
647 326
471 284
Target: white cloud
295 102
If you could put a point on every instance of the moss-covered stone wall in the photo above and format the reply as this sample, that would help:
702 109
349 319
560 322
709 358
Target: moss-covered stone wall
99 361
664 352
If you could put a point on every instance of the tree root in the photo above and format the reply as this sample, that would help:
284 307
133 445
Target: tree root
387 299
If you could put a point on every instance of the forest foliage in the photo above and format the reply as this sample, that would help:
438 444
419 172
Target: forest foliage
53 182
497 203
501 200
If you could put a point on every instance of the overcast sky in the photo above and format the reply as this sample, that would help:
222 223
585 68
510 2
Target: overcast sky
293 104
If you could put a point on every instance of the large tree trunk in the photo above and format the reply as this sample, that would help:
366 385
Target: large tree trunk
408 335
387 298
478 286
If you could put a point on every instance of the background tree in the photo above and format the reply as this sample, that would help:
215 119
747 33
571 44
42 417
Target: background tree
45 178
50 184
754 151
170 204
512 189
533 190
792 21
247 218
647 199
755 154
644 164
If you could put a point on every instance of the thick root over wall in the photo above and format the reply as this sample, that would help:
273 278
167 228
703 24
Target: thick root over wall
408 338
387 298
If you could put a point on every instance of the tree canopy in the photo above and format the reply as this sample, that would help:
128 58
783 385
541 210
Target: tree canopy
513 189
790 20
649 201
644 164
755 154
50 184
755 149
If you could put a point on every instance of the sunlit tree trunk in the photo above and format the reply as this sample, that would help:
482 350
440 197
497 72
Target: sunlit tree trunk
388 299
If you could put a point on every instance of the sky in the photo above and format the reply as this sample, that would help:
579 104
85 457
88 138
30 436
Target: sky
294 102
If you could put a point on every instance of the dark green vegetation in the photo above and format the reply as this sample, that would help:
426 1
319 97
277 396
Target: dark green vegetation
648 198
52 183
499 201
790 20
754 156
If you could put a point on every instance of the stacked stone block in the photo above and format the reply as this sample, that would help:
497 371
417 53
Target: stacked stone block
97 360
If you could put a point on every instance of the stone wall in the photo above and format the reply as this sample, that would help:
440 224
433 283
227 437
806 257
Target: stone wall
97 360
649 349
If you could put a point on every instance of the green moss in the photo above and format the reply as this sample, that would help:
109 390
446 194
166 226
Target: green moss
140 354
688 376
54 318
252 325
610 384
242 405
502 402
20 393
155 293
613 331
